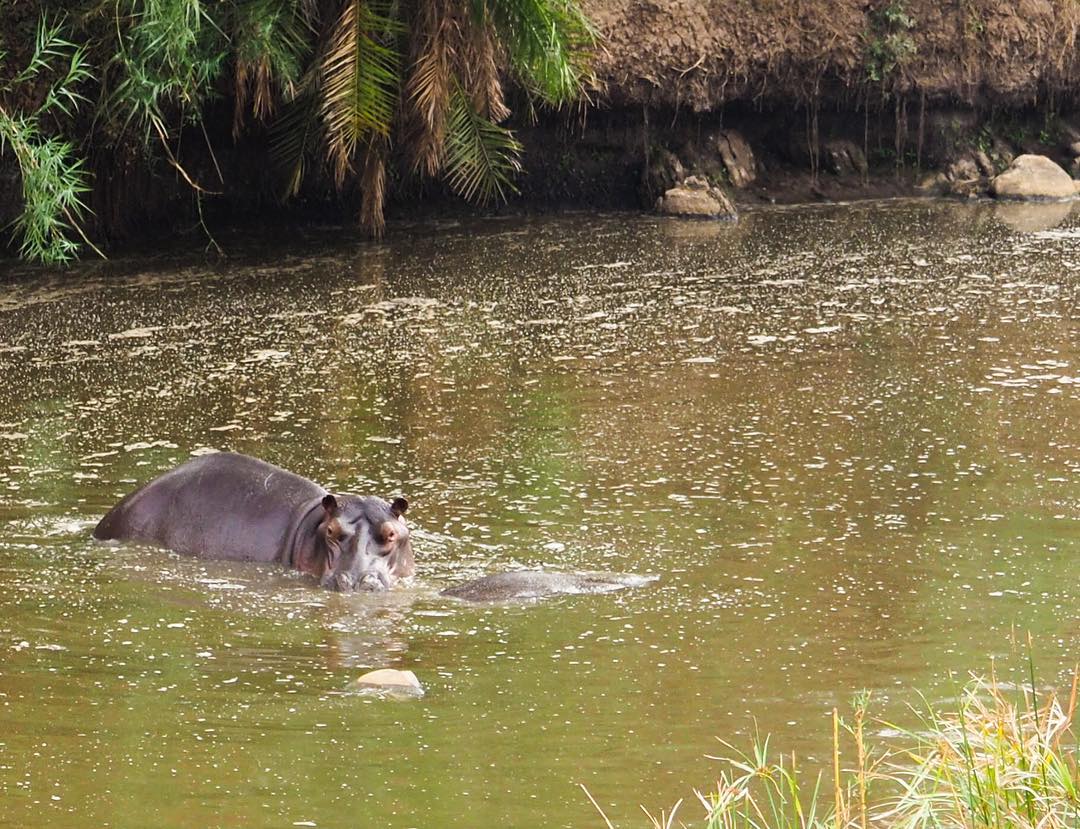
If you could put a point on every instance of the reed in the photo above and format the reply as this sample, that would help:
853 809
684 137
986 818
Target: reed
1004 757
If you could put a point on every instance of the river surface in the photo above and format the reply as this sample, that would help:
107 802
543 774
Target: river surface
846 439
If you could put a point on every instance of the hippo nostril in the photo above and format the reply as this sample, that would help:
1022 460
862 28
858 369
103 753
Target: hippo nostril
339 582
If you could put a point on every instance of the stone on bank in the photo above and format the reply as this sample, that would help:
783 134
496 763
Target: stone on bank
1033 177
694 197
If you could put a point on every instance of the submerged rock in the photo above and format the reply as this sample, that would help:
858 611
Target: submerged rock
392 682
695 197
1033 177
535 584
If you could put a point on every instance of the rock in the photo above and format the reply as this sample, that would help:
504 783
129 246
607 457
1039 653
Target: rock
964 175
967 189
738 158
665 171
1001 152
844 158
935 183
1033 177
701 156
1068 137
983 162
696 198
963 169
391 681
1074 168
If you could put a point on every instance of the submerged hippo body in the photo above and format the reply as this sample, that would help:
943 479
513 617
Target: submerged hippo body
233 507
535 584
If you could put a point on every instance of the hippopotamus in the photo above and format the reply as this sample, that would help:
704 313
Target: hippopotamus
230 506
536 584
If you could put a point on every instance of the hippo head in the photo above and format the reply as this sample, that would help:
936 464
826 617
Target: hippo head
366 542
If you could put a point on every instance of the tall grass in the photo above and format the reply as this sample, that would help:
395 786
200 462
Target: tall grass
1004 758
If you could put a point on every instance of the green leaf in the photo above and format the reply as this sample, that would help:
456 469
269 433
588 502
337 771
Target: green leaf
481 157
292 136
53 178
547 42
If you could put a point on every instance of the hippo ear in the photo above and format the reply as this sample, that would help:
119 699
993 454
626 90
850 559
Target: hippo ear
330 504
399 506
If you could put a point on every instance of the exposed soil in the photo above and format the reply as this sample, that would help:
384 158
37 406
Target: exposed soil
703 55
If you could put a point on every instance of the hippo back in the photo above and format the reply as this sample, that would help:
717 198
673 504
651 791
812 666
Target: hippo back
536 584
221 506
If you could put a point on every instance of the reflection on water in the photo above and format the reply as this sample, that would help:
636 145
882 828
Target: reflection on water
1029 217
844 437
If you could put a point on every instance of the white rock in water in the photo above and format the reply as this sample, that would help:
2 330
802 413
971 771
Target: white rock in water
392 681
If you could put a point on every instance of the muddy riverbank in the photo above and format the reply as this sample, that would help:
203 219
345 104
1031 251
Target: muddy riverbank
836 100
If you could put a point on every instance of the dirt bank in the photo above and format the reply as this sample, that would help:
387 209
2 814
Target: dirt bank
704 55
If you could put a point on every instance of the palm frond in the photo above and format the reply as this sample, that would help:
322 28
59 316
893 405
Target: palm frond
427 91
373 187
482 76
546 41
292 136
359 77
271 42
481 156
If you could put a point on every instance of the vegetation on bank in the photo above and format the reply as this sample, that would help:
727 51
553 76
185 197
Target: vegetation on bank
53 174
352 91
1003 759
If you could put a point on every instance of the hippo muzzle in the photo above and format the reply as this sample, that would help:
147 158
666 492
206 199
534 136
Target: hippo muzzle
367 543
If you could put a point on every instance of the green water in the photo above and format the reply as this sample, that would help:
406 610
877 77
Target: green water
846 439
